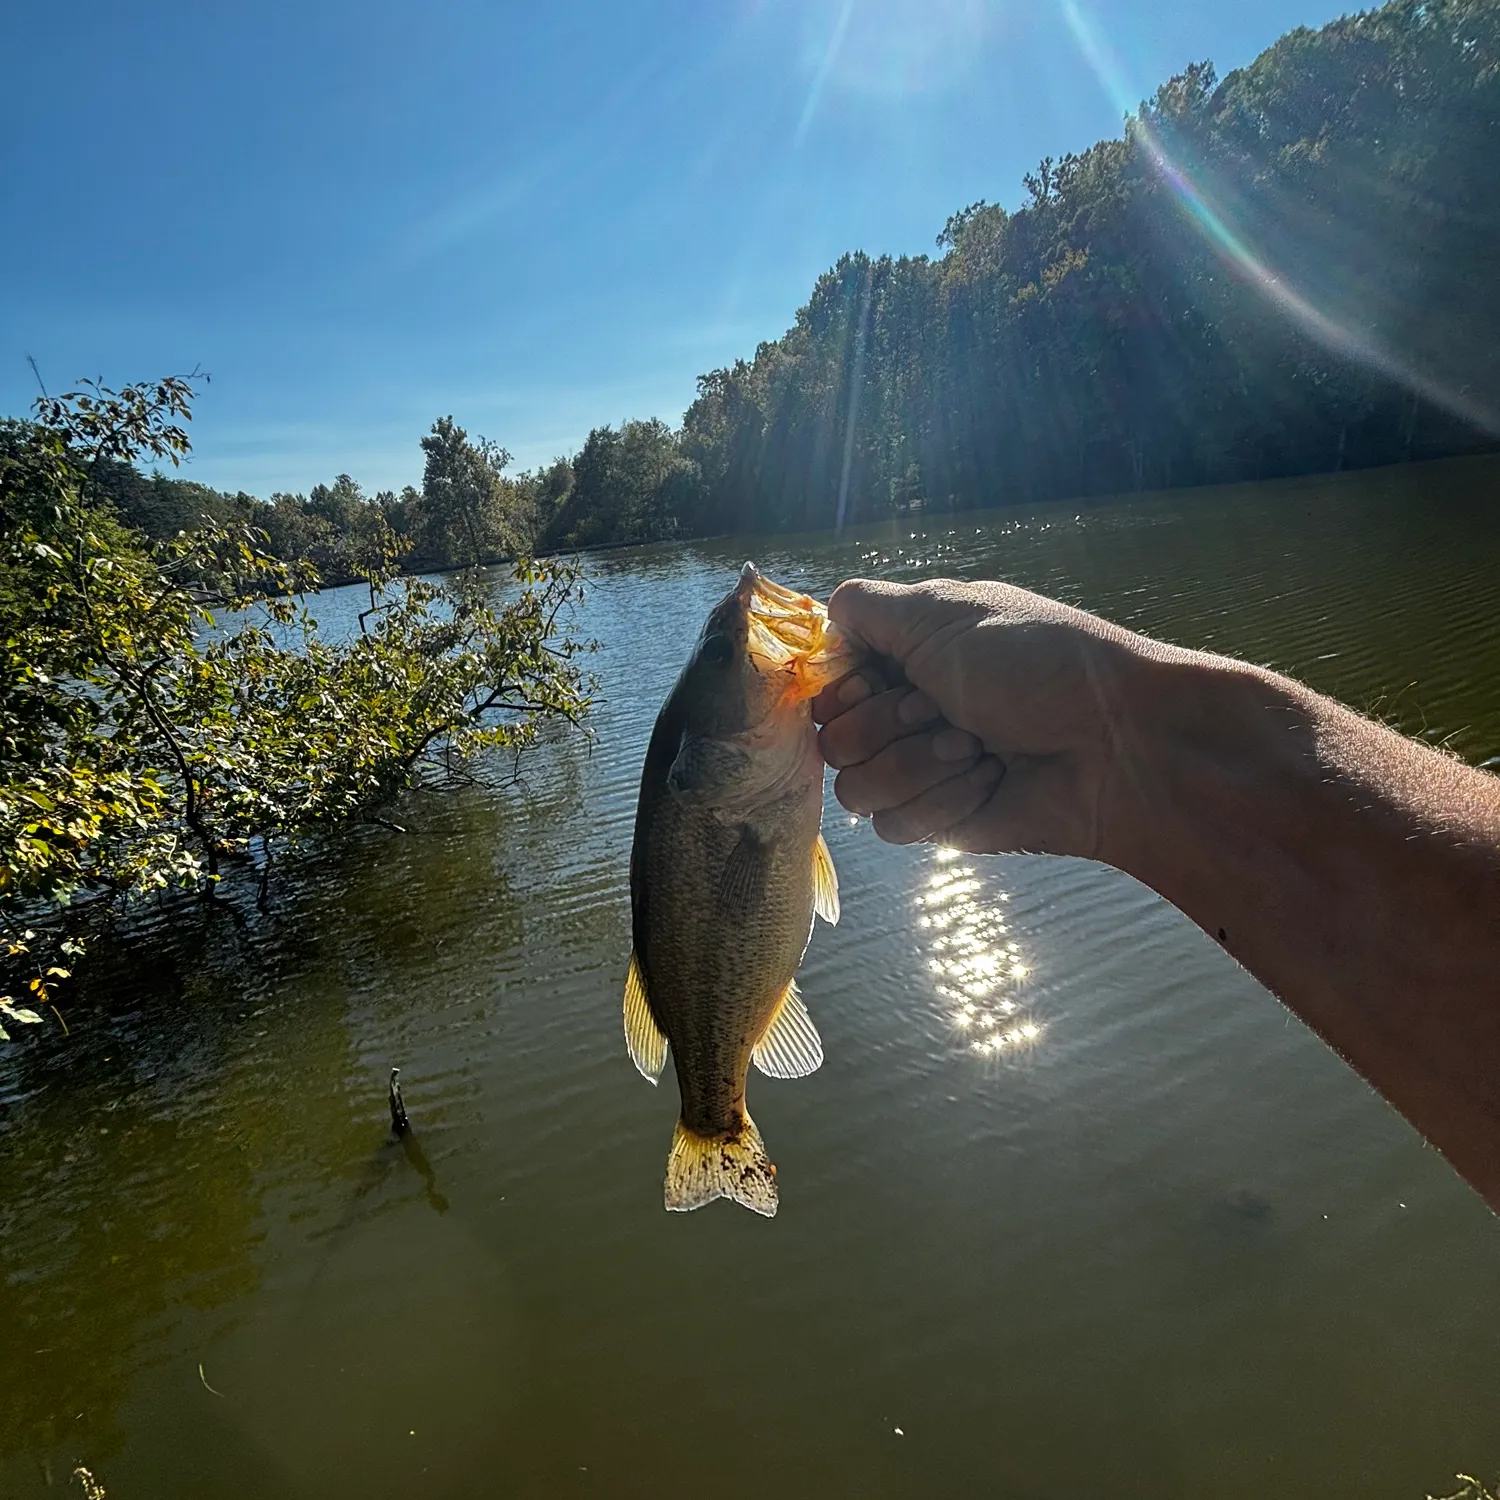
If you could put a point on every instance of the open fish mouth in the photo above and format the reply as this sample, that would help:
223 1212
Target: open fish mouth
791 632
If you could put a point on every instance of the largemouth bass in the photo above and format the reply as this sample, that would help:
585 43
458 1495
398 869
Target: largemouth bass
727 870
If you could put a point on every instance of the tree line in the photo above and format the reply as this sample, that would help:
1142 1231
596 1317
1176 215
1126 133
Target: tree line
1288 271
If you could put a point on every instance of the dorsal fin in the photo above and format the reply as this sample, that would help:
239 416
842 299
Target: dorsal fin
791 1046
647 1042
825 882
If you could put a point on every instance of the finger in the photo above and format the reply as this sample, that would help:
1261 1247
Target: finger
871 677
872 723
839 697
932 813
1042 808
906 769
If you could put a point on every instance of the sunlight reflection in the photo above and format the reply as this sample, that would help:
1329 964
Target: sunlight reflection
977 970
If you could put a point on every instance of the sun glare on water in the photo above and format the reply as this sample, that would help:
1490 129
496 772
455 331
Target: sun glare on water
977 970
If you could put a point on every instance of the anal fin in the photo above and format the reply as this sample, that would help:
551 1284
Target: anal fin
825 883
701 1168
646 1040
790 1047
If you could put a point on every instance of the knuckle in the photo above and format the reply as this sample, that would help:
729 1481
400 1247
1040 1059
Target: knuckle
909 761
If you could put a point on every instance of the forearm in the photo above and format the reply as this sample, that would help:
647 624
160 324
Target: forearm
1355 873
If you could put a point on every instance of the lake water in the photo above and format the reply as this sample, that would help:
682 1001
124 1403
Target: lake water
1168 1247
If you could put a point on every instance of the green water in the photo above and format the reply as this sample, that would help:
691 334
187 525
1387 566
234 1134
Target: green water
1167 1246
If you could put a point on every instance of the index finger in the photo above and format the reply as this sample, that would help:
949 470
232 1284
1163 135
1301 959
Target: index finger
849 691
839 697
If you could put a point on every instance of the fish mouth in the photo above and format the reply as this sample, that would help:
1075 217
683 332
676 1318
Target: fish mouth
791 632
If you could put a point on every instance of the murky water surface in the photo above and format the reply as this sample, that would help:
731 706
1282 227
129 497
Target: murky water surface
1154 1241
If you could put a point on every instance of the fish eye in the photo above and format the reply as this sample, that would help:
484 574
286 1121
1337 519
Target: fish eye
717 650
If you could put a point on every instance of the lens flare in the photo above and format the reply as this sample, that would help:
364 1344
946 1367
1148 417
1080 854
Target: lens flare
1192 189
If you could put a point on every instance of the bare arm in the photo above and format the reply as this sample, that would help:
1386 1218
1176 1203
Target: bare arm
1354 872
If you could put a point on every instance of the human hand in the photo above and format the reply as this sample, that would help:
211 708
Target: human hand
1001 736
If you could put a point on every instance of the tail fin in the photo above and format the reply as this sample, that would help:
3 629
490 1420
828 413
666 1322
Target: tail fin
701 1168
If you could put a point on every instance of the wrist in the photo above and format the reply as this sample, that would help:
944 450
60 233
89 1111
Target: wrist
1193 737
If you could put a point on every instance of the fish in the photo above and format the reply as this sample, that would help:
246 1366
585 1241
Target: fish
728 870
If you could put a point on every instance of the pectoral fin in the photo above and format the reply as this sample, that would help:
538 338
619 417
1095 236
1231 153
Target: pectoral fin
791 1046
825 882
742 882
647 1043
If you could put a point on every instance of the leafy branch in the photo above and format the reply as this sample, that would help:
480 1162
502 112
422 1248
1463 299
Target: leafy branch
171 712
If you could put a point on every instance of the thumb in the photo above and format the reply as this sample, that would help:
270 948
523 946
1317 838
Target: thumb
894 619
879 614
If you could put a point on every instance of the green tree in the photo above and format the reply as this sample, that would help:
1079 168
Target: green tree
170 714
470 513
630 485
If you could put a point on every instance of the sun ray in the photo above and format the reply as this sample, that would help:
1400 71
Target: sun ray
825 67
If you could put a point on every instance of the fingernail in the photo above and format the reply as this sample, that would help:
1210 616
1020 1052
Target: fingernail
853 690
916 708
954 744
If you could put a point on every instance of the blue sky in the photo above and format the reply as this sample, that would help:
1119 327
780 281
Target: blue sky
540 218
